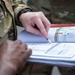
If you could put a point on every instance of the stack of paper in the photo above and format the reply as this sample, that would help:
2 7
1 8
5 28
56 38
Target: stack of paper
59 54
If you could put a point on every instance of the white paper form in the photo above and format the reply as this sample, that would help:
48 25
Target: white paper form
63 34
41 49
54 50
66 50
27 37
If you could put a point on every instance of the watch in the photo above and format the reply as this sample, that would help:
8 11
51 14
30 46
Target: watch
24 11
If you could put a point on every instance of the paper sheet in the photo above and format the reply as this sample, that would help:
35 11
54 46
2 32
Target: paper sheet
44 52
58 50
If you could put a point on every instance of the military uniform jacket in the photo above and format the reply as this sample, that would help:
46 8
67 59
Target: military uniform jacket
8 15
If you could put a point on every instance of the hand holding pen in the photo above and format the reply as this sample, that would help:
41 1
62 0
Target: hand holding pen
47 38
30 19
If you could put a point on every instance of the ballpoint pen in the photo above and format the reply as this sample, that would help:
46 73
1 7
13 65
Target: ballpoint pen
49 41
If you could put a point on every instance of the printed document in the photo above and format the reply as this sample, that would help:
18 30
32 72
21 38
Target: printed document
56 53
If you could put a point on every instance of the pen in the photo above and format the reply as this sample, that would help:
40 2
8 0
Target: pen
49 41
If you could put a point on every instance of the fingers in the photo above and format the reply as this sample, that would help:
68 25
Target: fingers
29 20
42 23
25 51
45 22
26 54
16 53
18 41
33 30
28 51
23 45
41 26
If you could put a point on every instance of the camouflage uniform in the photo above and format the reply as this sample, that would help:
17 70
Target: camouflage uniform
9 8
57 11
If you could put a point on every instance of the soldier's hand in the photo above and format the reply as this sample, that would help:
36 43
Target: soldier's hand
13 56
30 19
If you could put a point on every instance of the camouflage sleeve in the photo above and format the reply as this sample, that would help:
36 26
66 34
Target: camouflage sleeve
18 5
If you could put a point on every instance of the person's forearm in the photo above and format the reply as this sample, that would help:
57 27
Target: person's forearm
18 6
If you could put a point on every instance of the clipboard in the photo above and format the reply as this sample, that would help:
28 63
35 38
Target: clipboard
62 25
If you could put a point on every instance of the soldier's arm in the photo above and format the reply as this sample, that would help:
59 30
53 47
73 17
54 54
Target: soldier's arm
19 5
30 19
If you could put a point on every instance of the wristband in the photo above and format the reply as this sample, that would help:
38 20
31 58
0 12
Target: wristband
23 11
